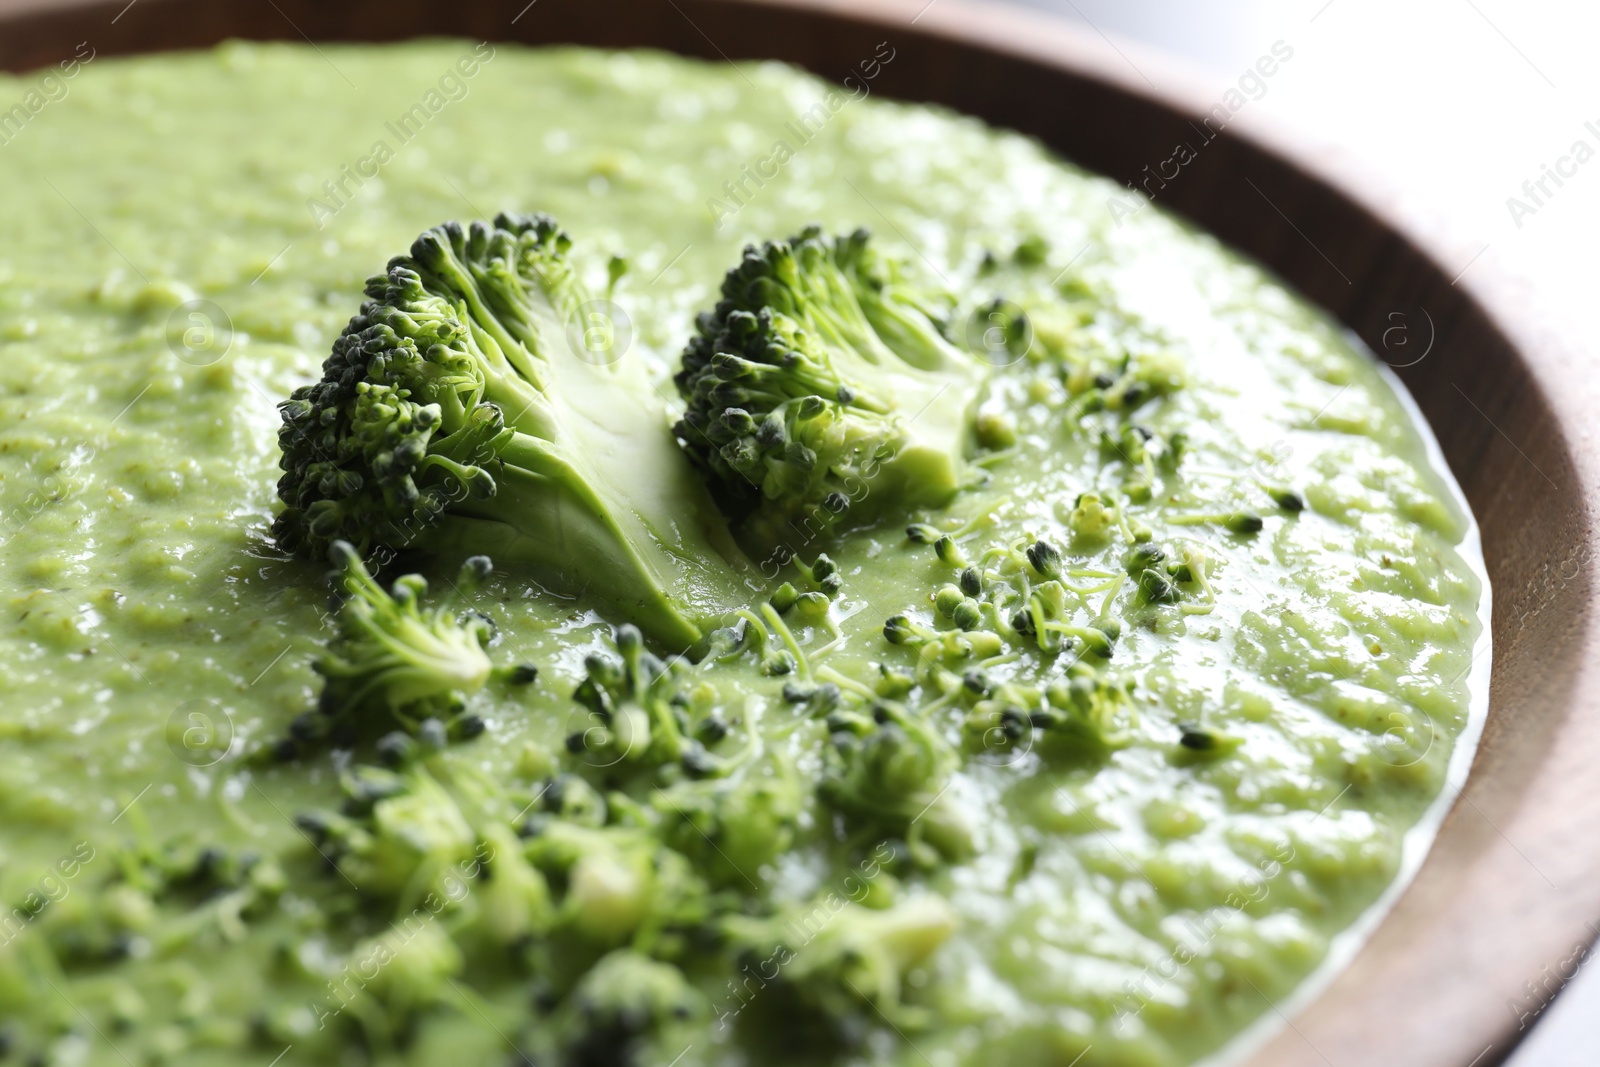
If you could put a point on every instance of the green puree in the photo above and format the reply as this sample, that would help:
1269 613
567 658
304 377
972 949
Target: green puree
1290 717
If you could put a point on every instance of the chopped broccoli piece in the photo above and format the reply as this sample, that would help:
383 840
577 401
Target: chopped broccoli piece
515 898
841 959
732 829
1090 705
1091 521
640 705
1202 742
452 416
440 834
996 430
416 967
628 1011
1005 333
622 885
822 381
1153 373
890 773
391 655
401 832
1031 251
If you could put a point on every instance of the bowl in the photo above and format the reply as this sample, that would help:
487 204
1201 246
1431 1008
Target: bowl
1504 895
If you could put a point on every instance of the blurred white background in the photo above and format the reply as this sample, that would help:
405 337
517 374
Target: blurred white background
1454 104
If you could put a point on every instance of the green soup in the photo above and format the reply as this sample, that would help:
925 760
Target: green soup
183 238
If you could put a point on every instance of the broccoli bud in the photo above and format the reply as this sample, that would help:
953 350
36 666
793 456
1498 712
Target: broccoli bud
1287 499
1205 742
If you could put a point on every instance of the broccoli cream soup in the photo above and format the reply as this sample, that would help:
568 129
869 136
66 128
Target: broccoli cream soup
810 583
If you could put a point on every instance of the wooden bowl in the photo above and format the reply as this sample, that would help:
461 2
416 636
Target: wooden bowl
1504 896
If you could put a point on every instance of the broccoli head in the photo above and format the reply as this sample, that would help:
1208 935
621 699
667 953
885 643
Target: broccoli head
454 414
822 380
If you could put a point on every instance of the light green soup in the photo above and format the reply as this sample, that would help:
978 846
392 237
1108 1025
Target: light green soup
1134 905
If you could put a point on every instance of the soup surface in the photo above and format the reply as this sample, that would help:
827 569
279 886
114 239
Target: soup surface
183 238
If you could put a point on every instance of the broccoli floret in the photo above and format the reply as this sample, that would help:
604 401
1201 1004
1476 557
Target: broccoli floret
732 829
416 968
1090 705
640 705
890 773
390 655
628 1010
1090 520
995 429
822 383
622 885
454 415
838 958
433 829
211 891
1153 373
399 832
514 898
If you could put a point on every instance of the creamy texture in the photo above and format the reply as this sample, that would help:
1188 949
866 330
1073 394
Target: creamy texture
1133 907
